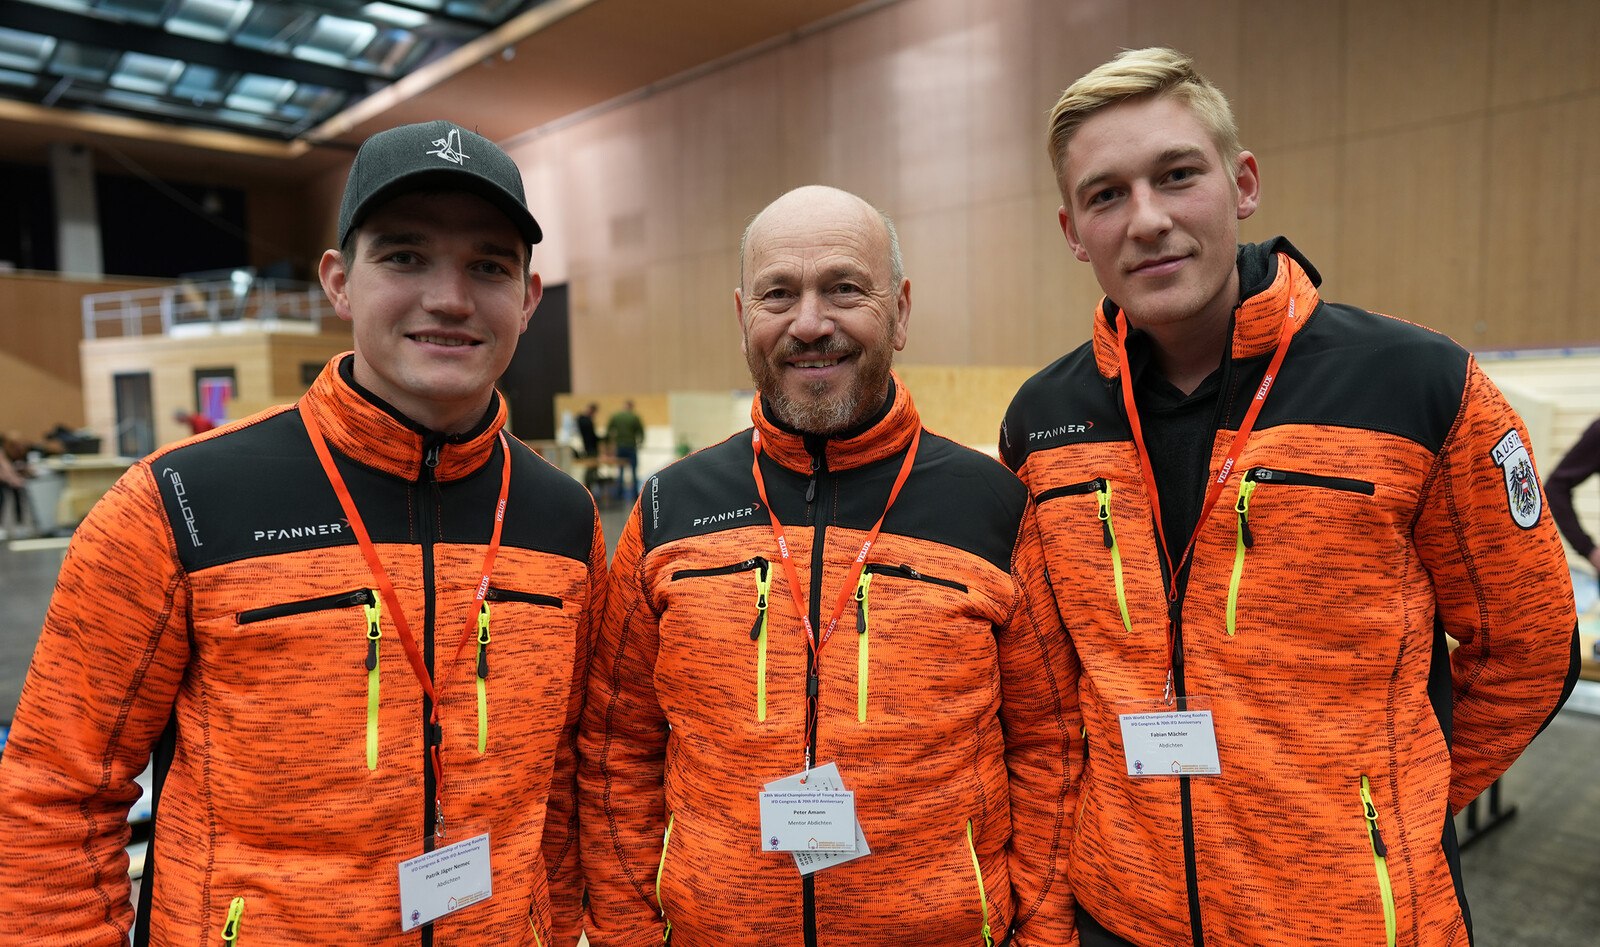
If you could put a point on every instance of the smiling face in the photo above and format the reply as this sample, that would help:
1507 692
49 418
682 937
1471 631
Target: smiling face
820 311
436 290
1154 207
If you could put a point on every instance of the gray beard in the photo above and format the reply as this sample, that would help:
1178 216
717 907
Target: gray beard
819 414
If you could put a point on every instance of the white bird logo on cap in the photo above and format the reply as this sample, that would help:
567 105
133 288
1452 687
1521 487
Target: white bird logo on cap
449 147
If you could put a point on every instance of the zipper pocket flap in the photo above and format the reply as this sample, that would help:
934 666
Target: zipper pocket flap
1295 478
1071 490
510 595
322 603
906 572
754 562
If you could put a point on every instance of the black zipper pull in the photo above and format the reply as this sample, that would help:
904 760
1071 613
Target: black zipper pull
811 485
430 454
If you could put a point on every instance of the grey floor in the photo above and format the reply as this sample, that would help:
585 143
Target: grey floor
1531 881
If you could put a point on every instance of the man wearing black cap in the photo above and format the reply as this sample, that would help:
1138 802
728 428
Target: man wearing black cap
353 630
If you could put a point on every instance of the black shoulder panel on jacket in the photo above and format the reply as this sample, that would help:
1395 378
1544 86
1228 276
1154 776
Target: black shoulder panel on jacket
954 496
708 491
1356 369
260 491
1067 402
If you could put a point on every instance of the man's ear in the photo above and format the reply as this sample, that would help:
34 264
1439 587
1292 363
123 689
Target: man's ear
530 299
335 278
902 319
738 312
1070 231
1247 183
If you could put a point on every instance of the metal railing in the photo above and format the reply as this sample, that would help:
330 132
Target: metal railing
243 301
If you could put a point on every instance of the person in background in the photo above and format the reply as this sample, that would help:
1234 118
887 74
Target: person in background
197 422
805 604
1264 515
626 432
354 630
590 439
1581 462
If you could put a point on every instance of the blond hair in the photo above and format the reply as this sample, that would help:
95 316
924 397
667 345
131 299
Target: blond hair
1137 74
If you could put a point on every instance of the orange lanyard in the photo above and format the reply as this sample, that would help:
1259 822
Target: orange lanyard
814 676
1214 490
419 666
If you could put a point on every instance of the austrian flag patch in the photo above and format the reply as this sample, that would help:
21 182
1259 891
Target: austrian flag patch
1522 485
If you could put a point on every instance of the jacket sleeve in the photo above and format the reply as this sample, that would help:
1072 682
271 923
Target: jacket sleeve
622 745
1044 753
1580 463
1501 589
99 692
560 844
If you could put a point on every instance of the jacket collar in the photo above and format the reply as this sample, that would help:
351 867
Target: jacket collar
885 435
1270 275
368 430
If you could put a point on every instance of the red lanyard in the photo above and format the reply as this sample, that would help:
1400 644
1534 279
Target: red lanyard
845 590
1214 490
419 667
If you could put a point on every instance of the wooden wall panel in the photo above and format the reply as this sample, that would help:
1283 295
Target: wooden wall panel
1545 50
1390 138
1542 224
1293 91
1411 237
1412 63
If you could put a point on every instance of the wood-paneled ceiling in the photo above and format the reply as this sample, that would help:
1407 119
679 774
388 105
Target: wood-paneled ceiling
547 60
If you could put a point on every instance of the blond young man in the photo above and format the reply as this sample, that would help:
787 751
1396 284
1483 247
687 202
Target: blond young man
1263 513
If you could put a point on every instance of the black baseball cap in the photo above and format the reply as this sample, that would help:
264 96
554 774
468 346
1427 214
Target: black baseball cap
433 155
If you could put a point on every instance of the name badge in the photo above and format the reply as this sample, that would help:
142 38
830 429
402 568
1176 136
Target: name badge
1170 743
444 881
800 821
823 778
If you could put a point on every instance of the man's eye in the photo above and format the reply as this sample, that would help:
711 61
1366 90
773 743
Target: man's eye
403 257
775 293
1101 196
1182 174
847 288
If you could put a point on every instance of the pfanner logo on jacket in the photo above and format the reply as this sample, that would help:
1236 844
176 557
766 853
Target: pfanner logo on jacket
179 493
299 532
1059 431
1522 486
727 516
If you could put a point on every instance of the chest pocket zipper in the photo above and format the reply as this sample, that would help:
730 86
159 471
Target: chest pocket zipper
864 619
862 585
758 628
374 633
1245 539
1101 488
371 604
1109 535
482 671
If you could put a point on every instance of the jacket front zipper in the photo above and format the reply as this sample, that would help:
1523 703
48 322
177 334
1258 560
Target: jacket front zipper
819 468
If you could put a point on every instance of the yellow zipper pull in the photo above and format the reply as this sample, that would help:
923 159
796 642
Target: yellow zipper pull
1244 541
1103 495
758 634
1380 858
861 645
483 678
230 927
374 632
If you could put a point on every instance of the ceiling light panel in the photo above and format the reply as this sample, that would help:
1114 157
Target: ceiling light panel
214 21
